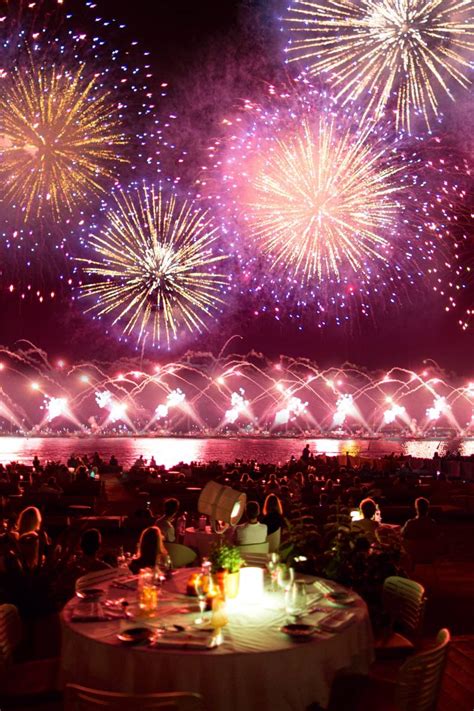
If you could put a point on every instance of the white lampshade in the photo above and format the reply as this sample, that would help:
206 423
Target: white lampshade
251 585
222 503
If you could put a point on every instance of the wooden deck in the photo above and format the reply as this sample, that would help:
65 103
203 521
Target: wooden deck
457 693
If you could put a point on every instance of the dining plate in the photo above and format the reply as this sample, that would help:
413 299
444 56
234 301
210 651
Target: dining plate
341 597
299 631
90 594
135 635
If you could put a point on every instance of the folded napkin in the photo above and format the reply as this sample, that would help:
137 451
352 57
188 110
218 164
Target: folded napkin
337 621
185 641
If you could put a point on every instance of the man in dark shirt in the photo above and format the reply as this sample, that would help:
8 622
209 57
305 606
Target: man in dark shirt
420 527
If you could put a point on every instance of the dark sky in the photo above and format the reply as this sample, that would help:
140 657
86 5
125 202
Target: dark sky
199 48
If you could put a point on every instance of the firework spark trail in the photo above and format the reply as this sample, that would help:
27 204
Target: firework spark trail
157 266
61 138
407 50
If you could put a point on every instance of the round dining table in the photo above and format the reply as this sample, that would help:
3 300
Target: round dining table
257 666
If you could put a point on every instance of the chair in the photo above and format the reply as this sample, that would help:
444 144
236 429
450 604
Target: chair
98 578
255 553
273 540
10 632
24 678
80 698
414 687
404 602
420 677
180 555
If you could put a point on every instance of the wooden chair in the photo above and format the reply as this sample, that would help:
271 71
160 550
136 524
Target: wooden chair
255 553
404 603
80 698
99 578
180 555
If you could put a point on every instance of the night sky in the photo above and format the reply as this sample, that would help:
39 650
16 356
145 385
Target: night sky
213 55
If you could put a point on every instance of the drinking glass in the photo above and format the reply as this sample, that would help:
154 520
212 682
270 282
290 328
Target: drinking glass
201 585
285 577
296 601
272 567
147 591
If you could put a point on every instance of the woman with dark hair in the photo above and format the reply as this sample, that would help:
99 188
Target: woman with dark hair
273 519
151 550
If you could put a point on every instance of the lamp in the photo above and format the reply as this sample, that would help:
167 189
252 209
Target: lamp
221 503
251 585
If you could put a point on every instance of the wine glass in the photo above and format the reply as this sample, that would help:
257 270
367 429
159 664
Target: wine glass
296 601
201 587
272 567
285 577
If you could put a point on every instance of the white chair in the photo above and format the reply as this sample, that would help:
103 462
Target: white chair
404 602
180 555
273 540
81 698
420 677
99 578
255 554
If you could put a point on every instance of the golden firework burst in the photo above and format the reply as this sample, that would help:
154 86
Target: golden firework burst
60 138
156 266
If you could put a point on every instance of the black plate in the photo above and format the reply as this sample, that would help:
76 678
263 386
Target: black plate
299 631
135 635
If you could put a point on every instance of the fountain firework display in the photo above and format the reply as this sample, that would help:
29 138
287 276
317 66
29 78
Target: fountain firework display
246 395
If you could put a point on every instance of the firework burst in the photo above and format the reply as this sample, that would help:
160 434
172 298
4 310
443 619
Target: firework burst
157 266
60 138
321 201
329 213
408 52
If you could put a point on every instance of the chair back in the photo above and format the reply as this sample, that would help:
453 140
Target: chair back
420 677
404 600
10 632
180 555
255 554
273 540
81 698
98 578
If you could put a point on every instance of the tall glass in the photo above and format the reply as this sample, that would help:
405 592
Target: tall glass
147 591
296 601
201 585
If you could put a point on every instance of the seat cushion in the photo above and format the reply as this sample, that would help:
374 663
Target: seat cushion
393 645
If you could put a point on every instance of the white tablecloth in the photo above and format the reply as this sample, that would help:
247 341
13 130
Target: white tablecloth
258 667
201 541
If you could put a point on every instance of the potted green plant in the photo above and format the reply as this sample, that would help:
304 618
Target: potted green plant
226 562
